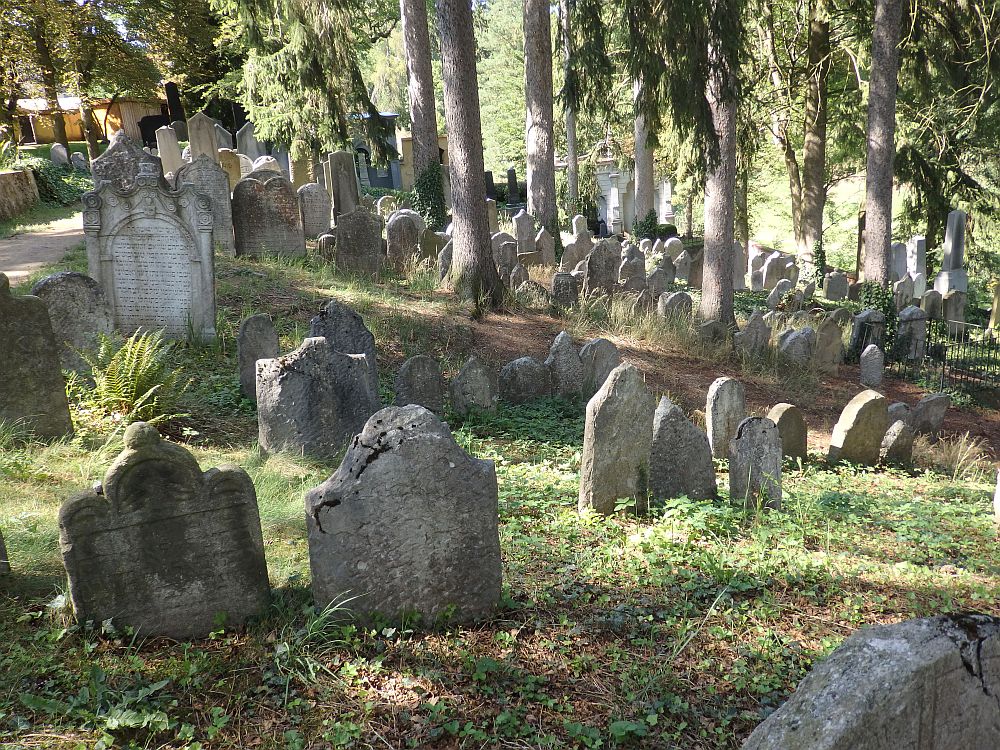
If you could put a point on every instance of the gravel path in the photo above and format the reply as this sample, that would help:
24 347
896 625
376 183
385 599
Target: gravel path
23 254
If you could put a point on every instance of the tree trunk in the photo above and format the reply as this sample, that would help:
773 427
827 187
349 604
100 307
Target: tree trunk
43 54
720 189
572 164
742 221
89 129
423 116
473 275
813 195
643 160
881 132
794 185
538 132
689 214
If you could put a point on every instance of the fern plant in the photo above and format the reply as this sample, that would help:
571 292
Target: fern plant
134 380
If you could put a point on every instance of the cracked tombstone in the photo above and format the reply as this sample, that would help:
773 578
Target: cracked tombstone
346 332
565 367
32 391
725 408
524 379
617 440
122 163
313 400
755 462
681 458
792 429
475 387
857 436
408 524
420 382
255 340
163 547
600 357
929 684
78 311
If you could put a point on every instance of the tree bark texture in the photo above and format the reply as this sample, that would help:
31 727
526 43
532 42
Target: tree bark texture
813 195
473 275
742 212
689 215
881 133
420 84
572 163
720 193
90 129
43 54
643 160
538 131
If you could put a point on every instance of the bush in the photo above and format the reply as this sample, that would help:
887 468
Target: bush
666 231
57 185
645 228
379 192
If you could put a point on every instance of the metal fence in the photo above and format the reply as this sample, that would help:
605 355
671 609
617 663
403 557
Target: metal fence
953 355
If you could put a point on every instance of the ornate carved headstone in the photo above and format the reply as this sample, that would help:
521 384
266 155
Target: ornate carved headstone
208 178
161 546
150 249
32 390
266 218
120 164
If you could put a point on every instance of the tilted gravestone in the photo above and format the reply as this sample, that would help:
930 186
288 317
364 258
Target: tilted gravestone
358 243
58 155
78 312
314 205
617 440
753 339
600 274
266 217
202 138
600 357
313 400
346 332
524 379
343 184
150 249
927 415
858 433
247 143
229 162
872 364
255 340
475 387
168 149
681 458
565 366
32 391
435 554
420 382
163 547
120 164
897 444
725 408
929 684
223 138
755 463
208 178
792 429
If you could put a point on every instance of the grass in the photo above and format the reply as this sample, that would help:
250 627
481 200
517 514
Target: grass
682 628
36 219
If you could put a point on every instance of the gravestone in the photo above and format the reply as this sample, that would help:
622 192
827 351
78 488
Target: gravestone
359 242
600 275
247 143
385 205
632 269
755 463
546 246
474 387
402 236
836 286
4 558
927 415
246 165
897 445
872 365
346 332
682 266
435 554
280 156
657 282
58 155
223 138
79 162
897 261
777 295
565 290
617 440
78 311
524 231
208 178
578 249
565 367
202 138
681 458
674 306
524 379
444 262
266 218
343 184
725 408
162 547
867 328
504 249
600 357
122 163
953 276
420 381
857 436
916 260
929 684
492 217
313 400
265 164
314 205
513 191
792 430
898 410
911 333
181 128
168 149
953 310
151 251
753 340
32 391
829 352
255 340
229 160
518 275
798 345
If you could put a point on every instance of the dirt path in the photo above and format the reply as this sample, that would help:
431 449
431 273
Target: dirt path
23 254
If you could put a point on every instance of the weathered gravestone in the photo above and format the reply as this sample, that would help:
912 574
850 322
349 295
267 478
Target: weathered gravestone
600 357
617 440
358 247
208 178
223 138
255 340
58 155
314 205
407 525
681 458
755 463
600 274
725 408
518 275
78 312
829 352
872 364
524 230
475 387
953 276
565 290
565 366
524 379
313 400
545 245
753 339
420 382
247 143
835 286
168 149
911 333
346 332
675 306
162 547
229 162
201 137
927 415
32 391
868 328
151 251
266 217
402 236
791 429
897 444
343 184
122 163
858 433
929 684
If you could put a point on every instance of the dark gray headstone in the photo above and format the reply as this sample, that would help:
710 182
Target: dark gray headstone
314 204
256 339
600 357
346 332
755 463
78 311
358 247
857 436
681 459
420 382
266 217
565 366
524 379
475 386
119 164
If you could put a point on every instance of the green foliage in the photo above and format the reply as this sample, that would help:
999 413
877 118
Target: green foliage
645 228
428 198
8 154
879 298
379 192
134 379
819 260
666 231
59 185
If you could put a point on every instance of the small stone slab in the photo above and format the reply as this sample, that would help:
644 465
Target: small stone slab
255 340
857 436
755 463
565 366
600 357
725 408
927 415
420 382
872 365
897 445
524 379
681 458
78 311
346 332
475 387
792 430
358 243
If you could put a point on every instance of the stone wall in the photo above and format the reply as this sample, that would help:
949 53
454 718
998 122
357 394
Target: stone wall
18 193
